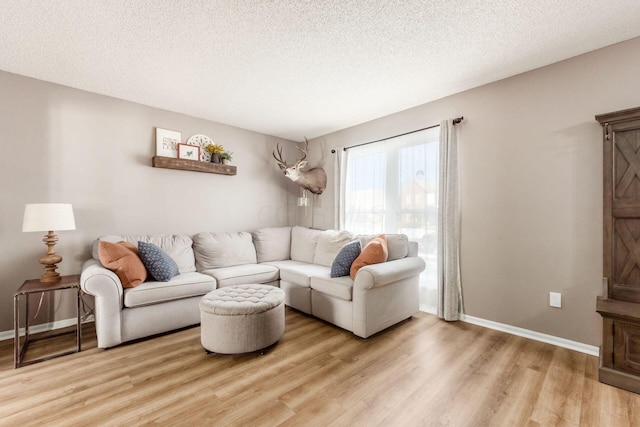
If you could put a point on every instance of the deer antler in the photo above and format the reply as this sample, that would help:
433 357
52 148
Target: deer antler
304 150
281 162
279 157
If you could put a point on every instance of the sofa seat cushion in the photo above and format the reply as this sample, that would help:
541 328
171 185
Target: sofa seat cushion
243 274
284 263
301 274
184 285
339 287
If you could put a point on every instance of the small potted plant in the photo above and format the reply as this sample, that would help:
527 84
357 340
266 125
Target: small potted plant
216 151
226 157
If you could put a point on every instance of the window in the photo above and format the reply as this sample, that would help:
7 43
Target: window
391 187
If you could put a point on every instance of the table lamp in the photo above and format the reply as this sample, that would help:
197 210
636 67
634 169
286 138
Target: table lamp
49 217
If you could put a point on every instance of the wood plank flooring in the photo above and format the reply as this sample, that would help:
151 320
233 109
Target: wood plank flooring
422 372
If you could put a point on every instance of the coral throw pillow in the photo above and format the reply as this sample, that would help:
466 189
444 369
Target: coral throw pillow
122 258
374 252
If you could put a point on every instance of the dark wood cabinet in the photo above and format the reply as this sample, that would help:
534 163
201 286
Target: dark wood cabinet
620 307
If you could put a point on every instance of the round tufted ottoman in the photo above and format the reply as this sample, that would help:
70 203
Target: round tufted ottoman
241 319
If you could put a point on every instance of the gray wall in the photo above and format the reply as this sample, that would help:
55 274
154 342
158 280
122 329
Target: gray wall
531 161
531 165
66 145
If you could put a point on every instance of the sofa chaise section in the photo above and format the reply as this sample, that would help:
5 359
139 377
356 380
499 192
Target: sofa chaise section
380 296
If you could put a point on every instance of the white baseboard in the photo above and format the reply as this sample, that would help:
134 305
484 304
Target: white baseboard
44 327
537 336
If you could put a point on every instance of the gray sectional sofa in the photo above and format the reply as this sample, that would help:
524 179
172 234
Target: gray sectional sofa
297 259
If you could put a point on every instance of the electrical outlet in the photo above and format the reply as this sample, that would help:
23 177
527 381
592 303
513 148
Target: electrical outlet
555 299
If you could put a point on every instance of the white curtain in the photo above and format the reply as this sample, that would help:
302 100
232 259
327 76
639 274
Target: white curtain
391 186
449 282
340 175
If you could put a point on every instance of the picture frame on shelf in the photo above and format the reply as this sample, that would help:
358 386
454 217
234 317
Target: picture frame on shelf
188 152
167 142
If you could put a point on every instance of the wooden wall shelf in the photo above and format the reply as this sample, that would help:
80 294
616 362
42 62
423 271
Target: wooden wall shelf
192 165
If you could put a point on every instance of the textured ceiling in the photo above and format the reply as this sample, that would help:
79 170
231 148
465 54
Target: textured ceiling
298 68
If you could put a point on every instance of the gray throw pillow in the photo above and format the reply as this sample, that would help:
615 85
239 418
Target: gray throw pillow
159 265
342 264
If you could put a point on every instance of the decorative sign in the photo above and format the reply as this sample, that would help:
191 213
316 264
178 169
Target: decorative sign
167 142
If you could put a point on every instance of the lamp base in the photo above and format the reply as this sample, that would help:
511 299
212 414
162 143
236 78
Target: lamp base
50 260
50 276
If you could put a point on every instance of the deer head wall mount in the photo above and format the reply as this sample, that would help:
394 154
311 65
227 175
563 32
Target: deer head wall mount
314 180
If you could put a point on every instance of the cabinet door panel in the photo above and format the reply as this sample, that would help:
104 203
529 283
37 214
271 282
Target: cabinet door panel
626 169
626 259
626 351
625 208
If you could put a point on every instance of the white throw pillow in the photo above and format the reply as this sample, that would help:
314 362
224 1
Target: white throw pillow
329 244
272 244
303 243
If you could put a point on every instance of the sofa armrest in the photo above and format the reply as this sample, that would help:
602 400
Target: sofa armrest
100 282
385 294
371 276
107 290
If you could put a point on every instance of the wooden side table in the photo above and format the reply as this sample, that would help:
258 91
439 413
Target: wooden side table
33 286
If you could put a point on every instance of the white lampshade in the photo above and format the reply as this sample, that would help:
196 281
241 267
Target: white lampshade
48 217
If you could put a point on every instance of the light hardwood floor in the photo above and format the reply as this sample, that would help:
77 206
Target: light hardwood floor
420 372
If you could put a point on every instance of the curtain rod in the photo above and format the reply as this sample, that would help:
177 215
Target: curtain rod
455 122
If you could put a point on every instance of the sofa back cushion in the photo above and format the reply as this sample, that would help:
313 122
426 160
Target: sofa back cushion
303 243
178 247
272 244
215 250
397 244
329 244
